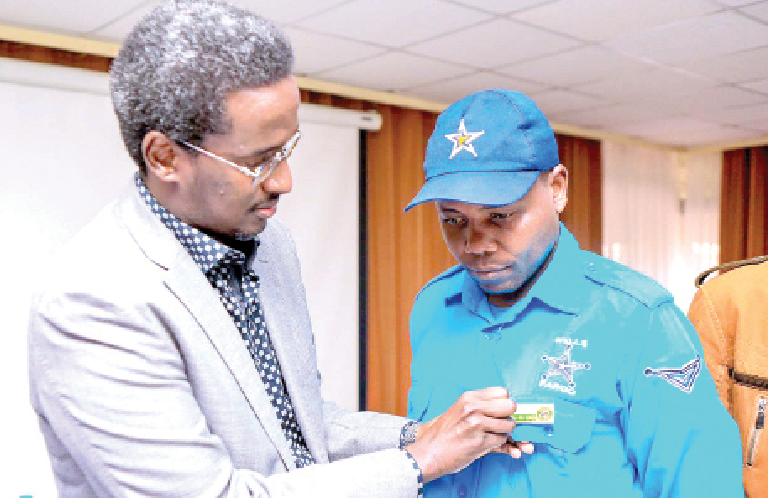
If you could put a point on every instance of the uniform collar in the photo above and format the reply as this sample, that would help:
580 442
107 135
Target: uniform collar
562 286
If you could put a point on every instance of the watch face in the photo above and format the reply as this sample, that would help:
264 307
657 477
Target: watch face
408 435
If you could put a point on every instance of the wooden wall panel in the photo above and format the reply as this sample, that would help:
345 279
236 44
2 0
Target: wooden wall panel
35 53
734 206
757 204
405 250
583 214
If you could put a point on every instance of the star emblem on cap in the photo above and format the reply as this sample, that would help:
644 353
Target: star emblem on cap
462 140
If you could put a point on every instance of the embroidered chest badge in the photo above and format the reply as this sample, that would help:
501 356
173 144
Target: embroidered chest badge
563 366
462 140
682 378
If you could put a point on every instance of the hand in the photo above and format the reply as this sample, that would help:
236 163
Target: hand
475 425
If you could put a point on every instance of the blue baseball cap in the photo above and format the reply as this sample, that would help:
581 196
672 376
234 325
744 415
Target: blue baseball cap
487 148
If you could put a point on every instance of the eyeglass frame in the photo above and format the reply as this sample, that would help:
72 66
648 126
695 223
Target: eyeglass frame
264 168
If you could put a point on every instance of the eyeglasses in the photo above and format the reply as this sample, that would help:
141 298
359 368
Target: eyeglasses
262 168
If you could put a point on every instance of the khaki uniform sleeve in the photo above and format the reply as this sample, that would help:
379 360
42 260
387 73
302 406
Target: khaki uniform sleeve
718 349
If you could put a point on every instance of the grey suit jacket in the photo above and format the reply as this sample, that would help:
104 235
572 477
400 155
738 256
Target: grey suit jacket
143 385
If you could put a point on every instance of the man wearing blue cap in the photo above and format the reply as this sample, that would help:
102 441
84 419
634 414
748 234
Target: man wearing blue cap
608 375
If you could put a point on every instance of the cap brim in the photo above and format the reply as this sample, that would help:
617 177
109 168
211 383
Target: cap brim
496 188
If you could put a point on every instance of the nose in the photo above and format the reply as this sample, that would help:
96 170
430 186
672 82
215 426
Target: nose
280 181
478 240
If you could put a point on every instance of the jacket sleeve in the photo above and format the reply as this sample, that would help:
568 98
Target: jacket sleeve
679 435
351 433
718 352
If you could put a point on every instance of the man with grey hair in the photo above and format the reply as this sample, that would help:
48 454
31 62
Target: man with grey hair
170 348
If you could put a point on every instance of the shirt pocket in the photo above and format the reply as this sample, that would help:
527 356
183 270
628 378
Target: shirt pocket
572 430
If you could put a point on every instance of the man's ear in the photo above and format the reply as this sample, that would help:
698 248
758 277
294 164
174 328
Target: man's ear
558 182
160 156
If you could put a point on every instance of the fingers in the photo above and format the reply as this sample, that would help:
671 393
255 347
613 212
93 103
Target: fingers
525 447
508 449
490 393
515 449
502 426
492 402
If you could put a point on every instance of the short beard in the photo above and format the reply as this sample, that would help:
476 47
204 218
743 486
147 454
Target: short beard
244 237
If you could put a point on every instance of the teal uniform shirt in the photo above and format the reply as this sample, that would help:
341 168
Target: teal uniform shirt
636 413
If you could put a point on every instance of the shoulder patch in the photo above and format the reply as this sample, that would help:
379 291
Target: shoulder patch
447 274
617 276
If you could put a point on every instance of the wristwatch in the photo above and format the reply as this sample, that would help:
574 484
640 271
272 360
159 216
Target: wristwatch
408 434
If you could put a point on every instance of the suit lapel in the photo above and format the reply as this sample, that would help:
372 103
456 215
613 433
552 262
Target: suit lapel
185 280
283 308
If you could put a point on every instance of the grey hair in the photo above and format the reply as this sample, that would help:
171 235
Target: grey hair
179 63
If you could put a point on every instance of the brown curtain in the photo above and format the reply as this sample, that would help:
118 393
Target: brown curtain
403 250
583 213
743 207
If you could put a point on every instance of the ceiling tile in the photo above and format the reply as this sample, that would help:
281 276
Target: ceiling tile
287 11
558 101
760 125
453 89
501 6
665 125
758 85
748 65
281 13
580 65
647 85
316 52
393 23
701 103
713 34
739 115
118 28
680 131
493 44
734 3
606 116
61 17
704 136
401 71
603 19
758 11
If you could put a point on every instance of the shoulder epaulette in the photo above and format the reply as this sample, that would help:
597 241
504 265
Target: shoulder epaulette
617 276
450 272
726 267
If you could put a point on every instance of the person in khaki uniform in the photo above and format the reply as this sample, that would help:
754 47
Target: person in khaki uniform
731 317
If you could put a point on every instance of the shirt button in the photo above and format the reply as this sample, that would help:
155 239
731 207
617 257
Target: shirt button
462 491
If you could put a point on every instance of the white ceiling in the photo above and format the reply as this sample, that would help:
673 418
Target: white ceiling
683 73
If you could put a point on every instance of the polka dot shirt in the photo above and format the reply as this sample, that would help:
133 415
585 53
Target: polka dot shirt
238 287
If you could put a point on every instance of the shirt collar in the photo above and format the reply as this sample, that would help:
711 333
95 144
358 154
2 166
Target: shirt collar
206 251
563 285
565 271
